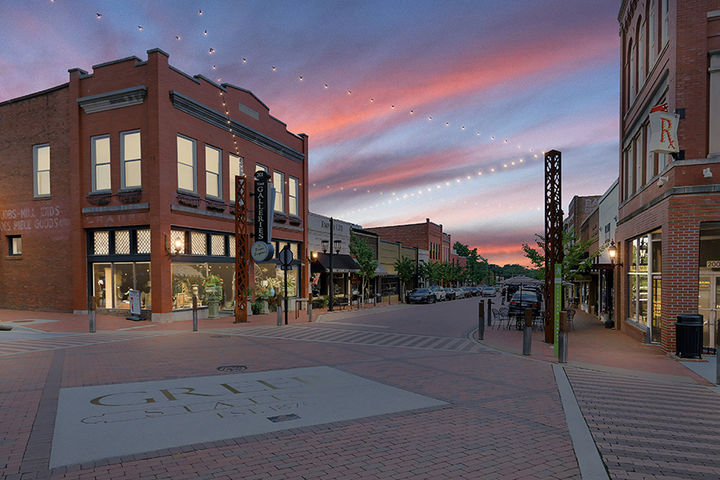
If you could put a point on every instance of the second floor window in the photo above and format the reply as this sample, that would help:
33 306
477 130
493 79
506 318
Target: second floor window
100 151
293 196
235 168
131 160
186 164
41 168
213 174
279 185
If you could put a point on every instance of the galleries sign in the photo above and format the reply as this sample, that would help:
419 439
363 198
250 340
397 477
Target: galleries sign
663 130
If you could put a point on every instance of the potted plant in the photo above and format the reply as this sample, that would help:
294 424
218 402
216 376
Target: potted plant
213 294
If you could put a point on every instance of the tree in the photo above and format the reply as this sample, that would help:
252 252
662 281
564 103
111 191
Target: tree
365 258
576 258
477 269
405 269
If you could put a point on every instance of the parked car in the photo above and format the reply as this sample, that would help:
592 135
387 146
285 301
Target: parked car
450 294
476 291
421 295
468 291
439 293
460 293
489 292
522 299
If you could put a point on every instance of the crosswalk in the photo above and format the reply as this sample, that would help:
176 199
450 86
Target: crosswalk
355 337
53 341
651 430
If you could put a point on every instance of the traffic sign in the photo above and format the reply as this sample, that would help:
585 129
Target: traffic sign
285 256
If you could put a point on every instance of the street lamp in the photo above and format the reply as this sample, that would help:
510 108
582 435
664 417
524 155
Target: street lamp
612 251
336 246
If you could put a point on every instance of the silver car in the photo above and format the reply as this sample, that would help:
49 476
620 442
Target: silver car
439 293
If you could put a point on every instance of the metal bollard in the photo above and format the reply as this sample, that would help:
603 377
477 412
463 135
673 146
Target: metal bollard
309 309
563 338
389 300
194 314
481 320
279 314
488 311
527 333
91 312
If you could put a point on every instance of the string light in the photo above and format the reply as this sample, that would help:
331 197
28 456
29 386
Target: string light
177 37
98 15
200 12
140 27
211 51
205 33
274 68
326 85
244 60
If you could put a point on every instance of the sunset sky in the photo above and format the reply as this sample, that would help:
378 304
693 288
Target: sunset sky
414 109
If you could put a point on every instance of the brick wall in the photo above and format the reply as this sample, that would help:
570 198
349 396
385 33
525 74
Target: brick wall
40 278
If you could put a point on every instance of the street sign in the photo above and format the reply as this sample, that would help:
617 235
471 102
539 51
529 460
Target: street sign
285 256
261 251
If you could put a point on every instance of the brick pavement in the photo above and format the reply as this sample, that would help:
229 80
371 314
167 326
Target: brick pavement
504 418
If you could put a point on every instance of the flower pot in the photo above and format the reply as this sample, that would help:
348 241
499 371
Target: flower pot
213 309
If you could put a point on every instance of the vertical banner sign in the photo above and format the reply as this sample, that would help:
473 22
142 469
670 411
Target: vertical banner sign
558 303
242 257
261 207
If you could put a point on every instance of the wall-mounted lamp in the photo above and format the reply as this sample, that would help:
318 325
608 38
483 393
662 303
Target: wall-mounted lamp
707 173
662 180
314 255
612 251
176 247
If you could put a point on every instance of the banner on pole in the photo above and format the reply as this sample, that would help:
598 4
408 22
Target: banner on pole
558 304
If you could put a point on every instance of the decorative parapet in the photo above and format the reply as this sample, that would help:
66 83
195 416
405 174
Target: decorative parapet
111 100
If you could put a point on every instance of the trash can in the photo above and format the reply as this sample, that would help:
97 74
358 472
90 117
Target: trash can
689 335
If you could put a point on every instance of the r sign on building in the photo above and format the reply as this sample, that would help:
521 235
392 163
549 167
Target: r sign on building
663 132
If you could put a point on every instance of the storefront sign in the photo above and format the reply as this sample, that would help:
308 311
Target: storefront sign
663 132
134 297
262 197
261 251
713 264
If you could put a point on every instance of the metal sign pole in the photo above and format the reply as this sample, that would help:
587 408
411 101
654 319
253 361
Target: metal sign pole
242 252
91 312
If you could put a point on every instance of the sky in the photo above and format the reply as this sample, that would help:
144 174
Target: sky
414 109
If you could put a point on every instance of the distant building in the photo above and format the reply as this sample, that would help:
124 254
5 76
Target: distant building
426 236
669 201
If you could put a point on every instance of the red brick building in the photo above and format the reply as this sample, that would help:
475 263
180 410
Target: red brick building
669 210
427 236
123 178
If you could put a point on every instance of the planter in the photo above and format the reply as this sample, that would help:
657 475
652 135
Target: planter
213 309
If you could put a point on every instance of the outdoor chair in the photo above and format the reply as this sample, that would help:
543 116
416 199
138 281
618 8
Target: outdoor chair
503 315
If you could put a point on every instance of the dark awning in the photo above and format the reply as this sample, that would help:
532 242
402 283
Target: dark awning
341 263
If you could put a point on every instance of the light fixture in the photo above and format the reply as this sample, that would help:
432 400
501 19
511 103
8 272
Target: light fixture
325 244
337 246
707 173
176 248
662 180
314 255
612 251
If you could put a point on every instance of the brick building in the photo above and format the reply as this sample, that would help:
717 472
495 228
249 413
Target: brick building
123 179
669 204
426 236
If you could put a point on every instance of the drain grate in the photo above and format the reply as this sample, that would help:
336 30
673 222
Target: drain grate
232 368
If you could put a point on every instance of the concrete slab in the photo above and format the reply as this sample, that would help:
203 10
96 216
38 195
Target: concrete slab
104 421
704 368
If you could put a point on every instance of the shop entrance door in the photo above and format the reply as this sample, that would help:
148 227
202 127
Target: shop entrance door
709 306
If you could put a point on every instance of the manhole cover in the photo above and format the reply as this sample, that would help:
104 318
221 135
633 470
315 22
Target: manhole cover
232 368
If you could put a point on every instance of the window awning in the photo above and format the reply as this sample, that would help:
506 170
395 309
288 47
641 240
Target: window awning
342 263
380 270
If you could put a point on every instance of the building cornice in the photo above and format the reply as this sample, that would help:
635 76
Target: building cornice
687 190
115 99
214 117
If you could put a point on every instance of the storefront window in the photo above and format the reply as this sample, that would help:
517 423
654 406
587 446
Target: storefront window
113 281
644 302
269 280
189 278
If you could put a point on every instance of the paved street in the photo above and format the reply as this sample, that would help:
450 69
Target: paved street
388 392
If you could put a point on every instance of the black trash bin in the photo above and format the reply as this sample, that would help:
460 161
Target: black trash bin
689 335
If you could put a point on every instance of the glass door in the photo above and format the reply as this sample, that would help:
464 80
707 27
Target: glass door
708 307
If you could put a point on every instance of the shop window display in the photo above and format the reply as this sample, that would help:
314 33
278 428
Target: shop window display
113 281
189 279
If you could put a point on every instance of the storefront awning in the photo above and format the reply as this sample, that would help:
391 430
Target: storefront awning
380 271
341 263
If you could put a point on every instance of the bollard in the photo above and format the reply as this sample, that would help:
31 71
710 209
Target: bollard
309 309
194 313
91 312
563 338
279 314
488 311
527 333
481 320
389 300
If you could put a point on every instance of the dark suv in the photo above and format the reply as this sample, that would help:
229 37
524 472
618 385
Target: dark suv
522 299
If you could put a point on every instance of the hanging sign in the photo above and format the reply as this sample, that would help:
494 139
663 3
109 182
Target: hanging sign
663 130
262 249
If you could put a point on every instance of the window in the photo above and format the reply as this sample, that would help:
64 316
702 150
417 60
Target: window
130 172
631 171
186 164
638 163
293 196
213 173
100 151
652 33
235 168
641 55
279 186
259 167
14 245
41 170
665 16
633 71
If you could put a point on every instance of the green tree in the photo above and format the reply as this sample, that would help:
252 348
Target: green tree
405 269
477 269
577 258
365 258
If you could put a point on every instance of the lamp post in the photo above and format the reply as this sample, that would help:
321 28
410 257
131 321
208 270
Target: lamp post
330 246
612 251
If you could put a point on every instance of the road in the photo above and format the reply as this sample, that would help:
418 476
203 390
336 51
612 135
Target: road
398 392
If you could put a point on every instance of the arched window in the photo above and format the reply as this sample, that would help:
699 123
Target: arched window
665 16
641 53
632 71
652 33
